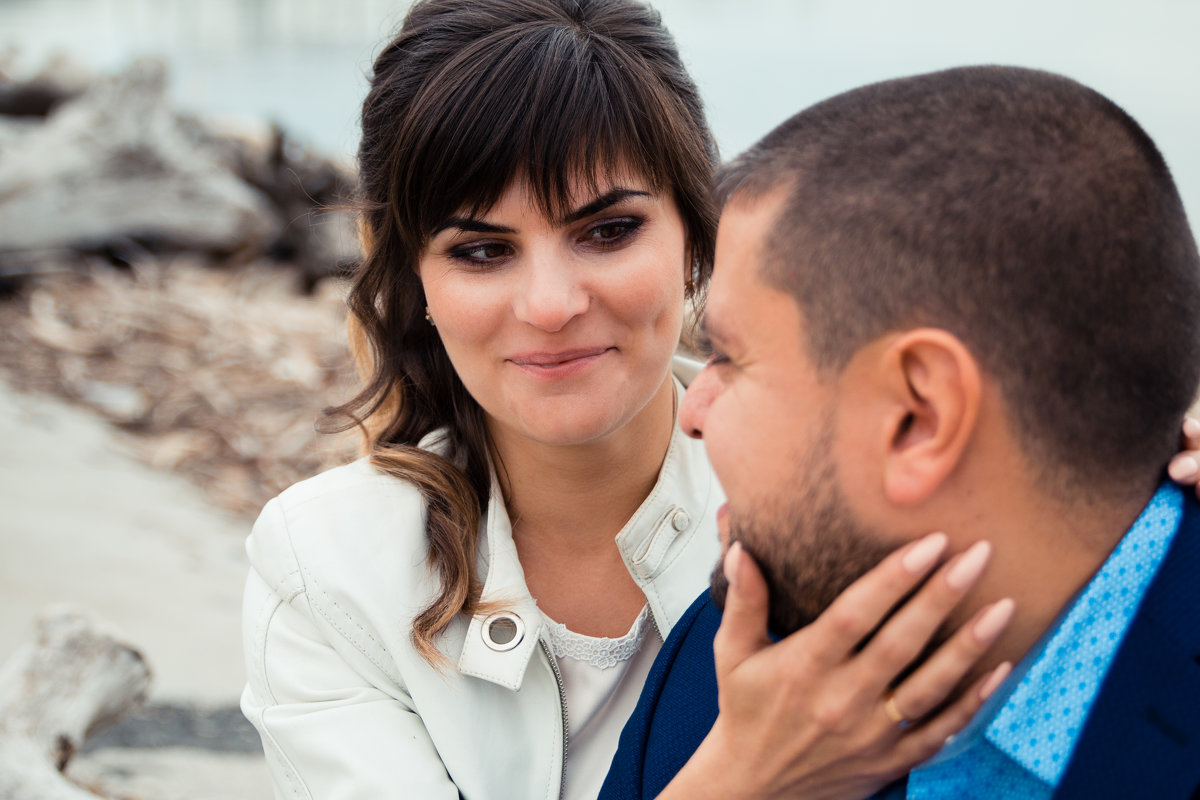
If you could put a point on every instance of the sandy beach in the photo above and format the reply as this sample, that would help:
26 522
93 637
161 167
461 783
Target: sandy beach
84 523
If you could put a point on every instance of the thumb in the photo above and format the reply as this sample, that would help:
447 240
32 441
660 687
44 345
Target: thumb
743 630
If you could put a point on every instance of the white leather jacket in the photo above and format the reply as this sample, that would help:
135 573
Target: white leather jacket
345 705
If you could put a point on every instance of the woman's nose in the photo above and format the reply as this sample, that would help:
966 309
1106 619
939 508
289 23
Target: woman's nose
551 294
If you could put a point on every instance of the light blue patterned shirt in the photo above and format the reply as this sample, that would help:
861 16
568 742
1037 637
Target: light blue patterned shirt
1019 743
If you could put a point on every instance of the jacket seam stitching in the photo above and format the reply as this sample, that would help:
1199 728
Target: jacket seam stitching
288 770
346 634
279 585
306 580
295 782
308 584
260 641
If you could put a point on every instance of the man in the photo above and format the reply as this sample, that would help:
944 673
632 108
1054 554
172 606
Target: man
970 302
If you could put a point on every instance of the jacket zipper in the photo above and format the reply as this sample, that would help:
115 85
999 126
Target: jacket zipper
562 705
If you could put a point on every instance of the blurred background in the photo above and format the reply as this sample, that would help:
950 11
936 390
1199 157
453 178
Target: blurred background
170 317
301 62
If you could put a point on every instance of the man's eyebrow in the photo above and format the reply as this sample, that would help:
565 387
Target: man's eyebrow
609 198
712 331
471 225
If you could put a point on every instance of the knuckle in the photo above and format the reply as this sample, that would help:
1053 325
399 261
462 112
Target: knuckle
938 598
918 704
965 646
842 621
830 713
894 650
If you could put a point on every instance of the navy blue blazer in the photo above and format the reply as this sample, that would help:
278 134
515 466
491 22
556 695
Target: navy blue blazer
1141 738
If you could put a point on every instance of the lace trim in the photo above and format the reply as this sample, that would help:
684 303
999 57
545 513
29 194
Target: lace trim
599 651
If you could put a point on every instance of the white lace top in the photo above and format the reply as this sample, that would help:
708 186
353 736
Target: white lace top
602 679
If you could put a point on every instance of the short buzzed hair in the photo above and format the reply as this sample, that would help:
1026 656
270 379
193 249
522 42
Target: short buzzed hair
1024 213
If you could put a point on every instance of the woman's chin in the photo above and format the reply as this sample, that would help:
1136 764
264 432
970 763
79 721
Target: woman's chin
590 416
572 432
566 424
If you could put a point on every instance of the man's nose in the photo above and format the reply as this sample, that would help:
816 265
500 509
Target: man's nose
694 409
551 294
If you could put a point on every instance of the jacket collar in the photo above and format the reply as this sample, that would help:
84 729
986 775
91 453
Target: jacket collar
1142 736
673 511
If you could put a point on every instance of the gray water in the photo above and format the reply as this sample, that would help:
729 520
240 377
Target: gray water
301 62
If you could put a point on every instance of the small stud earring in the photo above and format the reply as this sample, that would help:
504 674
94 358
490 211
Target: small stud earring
428 318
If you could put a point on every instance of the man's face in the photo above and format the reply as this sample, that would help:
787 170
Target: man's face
768 421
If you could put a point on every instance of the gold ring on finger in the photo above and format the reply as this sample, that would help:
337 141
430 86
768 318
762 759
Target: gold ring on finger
893 711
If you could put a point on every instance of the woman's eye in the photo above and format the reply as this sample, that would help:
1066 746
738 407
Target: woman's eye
481 253
613 231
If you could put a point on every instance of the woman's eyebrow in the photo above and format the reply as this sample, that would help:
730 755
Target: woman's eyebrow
609 198
471 225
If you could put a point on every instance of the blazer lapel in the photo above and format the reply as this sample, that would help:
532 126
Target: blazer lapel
1142 736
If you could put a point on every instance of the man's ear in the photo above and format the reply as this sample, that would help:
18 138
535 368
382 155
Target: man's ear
934 387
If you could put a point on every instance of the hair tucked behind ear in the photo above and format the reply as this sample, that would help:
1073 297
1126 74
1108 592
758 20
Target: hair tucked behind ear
466 98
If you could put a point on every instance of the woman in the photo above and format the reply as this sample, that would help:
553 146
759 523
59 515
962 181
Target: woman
484 594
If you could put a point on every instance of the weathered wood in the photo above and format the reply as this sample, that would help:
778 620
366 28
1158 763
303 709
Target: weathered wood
73 678
115 168
118 164
310 191
26 92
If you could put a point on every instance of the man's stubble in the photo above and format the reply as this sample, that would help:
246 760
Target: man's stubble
807 542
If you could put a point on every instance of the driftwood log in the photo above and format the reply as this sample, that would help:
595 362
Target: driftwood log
73 678
26 92
108 167
117 166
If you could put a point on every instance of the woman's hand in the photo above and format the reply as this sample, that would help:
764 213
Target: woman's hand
814 715
1184 468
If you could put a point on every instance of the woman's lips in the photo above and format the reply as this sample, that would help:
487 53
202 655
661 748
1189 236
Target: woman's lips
552 366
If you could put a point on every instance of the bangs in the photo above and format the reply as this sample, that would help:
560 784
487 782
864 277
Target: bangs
555 105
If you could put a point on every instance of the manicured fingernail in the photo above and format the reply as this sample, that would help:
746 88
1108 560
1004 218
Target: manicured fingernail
733 559
1180 469
923 553
968 566
1191 427
994 680
988 627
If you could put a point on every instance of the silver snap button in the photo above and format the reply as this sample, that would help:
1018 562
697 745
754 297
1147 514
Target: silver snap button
680 520
503 630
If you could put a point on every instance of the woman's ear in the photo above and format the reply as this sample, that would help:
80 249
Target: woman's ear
934 386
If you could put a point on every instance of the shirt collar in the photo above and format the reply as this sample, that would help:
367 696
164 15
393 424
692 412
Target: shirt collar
1040 721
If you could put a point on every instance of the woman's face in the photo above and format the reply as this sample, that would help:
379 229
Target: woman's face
561 329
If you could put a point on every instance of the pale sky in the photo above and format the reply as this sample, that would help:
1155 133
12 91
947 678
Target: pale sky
756 61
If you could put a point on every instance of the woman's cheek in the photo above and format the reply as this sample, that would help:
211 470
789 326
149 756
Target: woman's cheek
467 308
654 295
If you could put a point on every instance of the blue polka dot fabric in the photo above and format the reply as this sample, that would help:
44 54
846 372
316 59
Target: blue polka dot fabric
1029 740
984 774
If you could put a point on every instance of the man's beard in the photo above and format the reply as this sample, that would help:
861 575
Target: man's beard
808 544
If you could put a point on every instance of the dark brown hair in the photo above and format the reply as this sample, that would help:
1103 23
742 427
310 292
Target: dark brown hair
1021 211
468 97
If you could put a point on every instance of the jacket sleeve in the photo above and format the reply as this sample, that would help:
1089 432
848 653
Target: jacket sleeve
331 730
